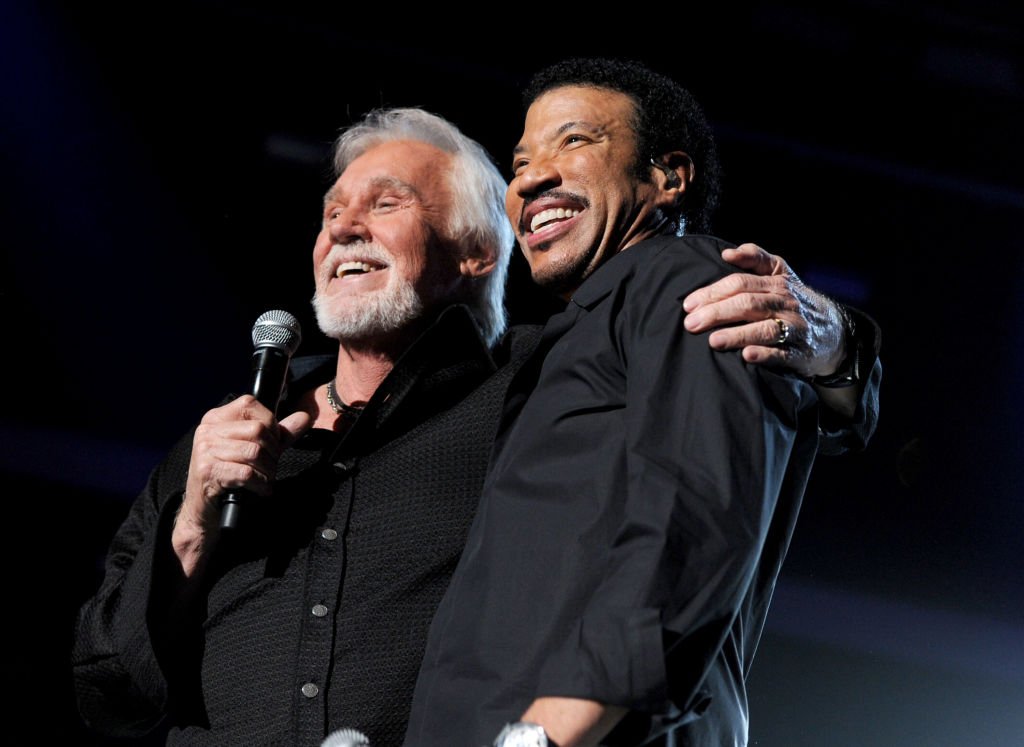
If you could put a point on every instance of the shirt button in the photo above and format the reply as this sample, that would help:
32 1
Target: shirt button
329 534
310 690
319 610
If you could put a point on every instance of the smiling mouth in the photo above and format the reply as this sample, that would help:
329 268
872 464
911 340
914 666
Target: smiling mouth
550 217
354 268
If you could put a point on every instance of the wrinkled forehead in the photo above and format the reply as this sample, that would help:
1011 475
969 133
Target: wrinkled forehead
414 168
344 190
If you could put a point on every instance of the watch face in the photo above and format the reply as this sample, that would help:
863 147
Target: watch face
522 735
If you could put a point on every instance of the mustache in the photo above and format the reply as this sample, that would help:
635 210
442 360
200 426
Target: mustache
363 250
340 253
552 194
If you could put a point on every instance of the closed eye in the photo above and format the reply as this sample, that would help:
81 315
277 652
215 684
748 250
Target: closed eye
574 139
386 204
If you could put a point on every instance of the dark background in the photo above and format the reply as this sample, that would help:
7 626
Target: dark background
163 170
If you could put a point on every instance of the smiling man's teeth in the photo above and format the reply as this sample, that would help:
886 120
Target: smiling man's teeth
348 268
552 214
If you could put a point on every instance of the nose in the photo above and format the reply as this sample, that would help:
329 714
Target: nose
347 226
538 175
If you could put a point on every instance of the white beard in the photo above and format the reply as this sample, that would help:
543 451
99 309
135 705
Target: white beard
366 315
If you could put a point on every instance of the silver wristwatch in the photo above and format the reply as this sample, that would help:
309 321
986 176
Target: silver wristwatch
523 734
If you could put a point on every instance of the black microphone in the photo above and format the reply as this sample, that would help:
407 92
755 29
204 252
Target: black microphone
346 738
276 336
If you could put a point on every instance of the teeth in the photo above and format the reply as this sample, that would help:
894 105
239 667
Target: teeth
546 216
348 267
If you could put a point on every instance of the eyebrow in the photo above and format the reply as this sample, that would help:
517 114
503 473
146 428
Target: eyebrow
378 183
562 130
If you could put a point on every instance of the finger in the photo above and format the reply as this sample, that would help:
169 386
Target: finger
238 450
777 358
224 464
729 286
211 450
771 357
214 438
228 476
245 407
752 258
746 307
207 482
764 333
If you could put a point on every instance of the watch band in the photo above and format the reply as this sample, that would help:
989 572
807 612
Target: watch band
523 734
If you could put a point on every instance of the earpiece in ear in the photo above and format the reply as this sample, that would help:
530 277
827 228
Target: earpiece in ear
671 177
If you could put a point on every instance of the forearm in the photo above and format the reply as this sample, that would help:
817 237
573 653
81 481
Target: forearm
119 684
573 722
123 635
192 544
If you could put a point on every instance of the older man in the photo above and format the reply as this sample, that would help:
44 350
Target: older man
315 615
641 499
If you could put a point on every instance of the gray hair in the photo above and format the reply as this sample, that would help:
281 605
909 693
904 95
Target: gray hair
478 195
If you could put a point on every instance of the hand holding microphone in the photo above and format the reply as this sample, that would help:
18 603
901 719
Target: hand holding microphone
236 447
275 336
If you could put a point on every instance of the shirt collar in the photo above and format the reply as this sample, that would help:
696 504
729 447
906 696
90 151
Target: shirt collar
605 279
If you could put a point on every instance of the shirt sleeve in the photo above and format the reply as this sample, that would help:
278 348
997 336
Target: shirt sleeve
708 443
841 435
120 685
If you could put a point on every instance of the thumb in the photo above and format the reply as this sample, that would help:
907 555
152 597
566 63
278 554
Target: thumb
752 258
293 426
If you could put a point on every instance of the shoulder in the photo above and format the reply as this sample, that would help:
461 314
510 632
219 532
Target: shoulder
658 272
689 261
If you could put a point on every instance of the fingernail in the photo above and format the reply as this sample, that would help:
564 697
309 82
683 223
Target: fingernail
691 322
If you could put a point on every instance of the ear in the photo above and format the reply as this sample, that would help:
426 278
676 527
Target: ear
478 261
674 172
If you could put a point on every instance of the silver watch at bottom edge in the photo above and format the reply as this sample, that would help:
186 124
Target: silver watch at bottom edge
522 734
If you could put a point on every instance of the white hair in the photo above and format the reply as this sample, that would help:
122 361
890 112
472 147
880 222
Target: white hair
478 196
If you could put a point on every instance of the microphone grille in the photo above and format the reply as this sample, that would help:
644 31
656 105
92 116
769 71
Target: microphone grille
277 329
346 738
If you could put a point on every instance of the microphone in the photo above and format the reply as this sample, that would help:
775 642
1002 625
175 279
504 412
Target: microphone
276 336
346 738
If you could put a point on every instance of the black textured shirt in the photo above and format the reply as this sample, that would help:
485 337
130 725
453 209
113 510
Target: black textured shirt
316 617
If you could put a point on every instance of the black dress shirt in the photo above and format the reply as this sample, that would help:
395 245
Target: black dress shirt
633 522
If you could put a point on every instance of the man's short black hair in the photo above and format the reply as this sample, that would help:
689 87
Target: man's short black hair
667 118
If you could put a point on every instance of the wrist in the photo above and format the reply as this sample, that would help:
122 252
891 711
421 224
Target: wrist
190 541
848 372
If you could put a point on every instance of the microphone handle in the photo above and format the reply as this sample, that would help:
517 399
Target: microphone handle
269 371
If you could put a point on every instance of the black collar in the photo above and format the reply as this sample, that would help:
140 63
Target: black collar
439 368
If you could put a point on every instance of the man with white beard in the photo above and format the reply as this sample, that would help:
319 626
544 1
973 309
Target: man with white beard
314 615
